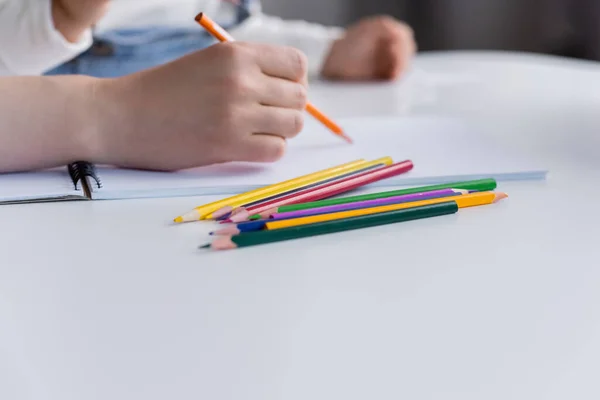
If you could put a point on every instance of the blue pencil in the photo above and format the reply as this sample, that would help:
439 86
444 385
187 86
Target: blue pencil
253 226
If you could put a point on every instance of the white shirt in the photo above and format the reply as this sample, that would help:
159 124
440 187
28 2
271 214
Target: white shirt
30 45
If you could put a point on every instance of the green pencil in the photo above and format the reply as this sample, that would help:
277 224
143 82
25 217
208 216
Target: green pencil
481 185
322 228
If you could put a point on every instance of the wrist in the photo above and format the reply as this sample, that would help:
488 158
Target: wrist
110 106
92 118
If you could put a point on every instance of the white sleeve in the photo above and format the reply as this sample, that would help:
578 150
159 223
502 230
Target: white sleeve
312 39
29 42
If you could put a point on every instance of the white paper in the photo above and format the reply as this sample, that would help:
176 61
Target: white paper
42 185
442 150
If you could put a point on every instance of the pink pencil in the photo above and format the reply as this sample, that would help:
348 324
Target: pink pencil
330 190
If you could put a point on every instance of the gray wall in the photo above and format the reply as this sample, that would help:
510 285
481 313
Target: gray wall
565 27
330 12
334 12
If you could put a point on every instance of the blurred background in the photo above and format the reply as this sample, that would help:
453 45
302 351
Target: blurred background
562 27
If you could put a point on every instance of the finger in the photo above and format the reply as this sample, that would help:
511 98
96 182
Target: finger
393 59
283 122
391 28
277 92
282 62
385 59
414 45
261 148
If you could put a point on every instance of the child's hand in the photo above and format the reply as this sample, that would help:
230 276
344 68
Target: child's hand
73 17
374 48
230 102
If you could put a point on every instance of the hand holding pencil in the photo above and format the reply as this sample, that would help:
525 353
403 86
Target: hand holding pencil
220 34
235 102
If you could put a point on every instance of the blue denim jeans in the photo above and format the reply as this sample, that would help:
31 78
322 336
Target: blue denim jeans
120 53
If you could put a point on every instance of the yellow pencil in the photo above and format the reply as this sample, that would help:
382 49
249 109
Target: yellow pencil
201 212
385 161
468 200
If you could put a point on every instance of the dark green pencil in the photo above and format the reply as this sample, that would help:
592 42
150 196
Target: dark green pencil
480 185
322 228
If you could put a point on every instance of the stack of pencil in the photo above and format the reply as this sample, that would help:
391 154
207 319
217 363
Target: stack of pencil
307 206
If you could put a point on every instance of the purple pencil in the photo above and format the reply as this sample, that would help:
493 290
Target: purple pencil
252 226
371 203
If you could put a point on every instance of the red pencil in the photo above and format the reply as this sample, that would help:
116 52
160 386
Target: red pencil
326 191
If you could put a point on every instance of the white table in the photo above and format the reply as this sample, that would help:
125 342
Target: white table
497 302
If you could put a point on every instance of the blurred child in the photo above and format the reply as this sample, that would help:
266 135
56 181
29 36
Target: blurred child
106 38
169 100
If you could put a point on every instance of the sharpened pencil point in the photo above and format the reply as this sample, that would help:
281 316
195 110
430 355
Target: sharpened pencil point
189 217
346 138
500 196
228 231
237 210
205 246
240 217
267 214
223 243
223 212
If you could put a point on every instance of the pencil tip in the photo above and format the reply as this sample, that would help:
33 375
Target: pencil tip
205 246
267 214
226 221
240 217
222 212
346 138
223 243
501 196
189 217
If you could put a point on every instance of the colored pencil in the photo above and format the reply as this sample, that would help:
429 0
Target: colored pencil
228 211
359 222
260 224
328 190
201 211
468 200
221 34
371 203
285 190
366 168
480 185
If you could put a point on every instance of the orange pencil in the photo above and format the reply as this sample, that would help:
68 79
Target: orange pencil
221 34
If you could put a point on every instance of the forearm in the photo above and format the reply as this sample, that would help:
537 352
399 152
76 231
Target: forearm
46 121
